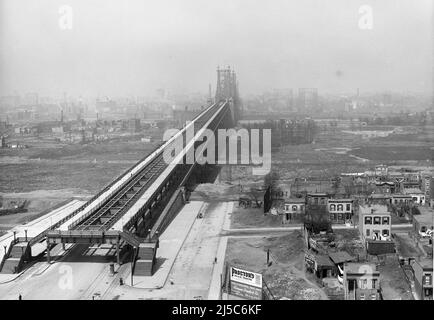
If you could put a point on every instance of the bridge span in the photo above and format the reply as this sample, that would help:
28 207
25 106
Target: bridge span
135 208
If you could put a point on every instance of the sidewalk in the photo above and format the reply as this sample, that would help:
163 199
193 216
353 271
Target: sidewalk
171 242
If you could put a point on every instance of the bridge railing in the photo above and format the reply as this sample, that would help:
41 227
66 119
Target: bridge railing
144 208
153 155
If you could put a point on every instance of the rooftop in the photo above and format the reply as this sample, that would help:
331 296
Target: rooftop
340 257
413 190
361 268
295 200
399 195
379 196
373 209
426 216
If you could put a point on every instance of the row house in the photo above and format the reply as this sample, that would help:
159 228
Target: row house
340 210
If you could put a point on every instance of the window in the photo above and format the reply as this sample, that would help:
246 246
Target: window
396 201
348 207
377 220
368 232
385 220
427 279
332 207
322 201
385 233
294 208
368 220
286 207
340 207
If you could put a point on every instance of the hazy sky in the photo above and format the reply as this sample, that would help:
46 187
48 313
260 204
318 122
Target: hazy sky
119 47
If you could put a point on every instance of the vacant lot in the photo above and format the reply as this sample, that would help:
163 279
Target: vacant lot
394 284
286 277
253 218
87 168
406 247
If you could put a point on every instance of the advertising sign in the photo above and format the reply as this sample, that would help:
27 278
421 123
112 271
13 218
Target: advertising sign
246 284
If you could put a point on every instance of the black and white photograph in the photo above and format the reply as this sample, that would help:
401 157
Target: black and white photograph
234 151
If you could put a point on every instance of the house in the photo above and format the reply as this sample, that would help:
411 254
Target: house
294 208
423 278
417 195
374 222
381 170
386 187
361 281
379 198
401 199
340 210
317 198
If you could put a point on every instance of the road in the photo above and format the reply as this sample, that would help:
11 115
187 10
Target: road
70 277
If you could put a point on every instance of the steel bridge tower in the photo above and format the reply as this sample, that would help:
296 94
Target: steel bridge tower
227 89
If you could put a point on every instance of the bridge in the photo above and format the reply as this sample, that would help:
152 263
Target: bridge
135 208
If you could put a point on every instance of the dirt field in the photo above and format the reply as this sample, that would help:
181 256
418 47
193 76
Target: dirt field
406 247
38 202
393 282
253 218
87 168
286 277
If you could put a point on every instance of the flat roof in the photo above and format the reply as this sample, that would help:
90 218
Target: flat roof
295 200
341 200
359 267
426 216
378 209
379 195
413 190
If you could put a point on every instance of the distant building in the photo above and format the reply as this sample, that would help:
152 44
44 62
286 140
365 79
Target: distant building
428 187
317 198
379 199
381 170
423 278
134 125
294 208
307 99
340 210
361 281
401 199
417 195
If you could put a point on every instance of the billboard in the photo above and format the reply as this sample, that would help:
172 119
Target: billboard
245 284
